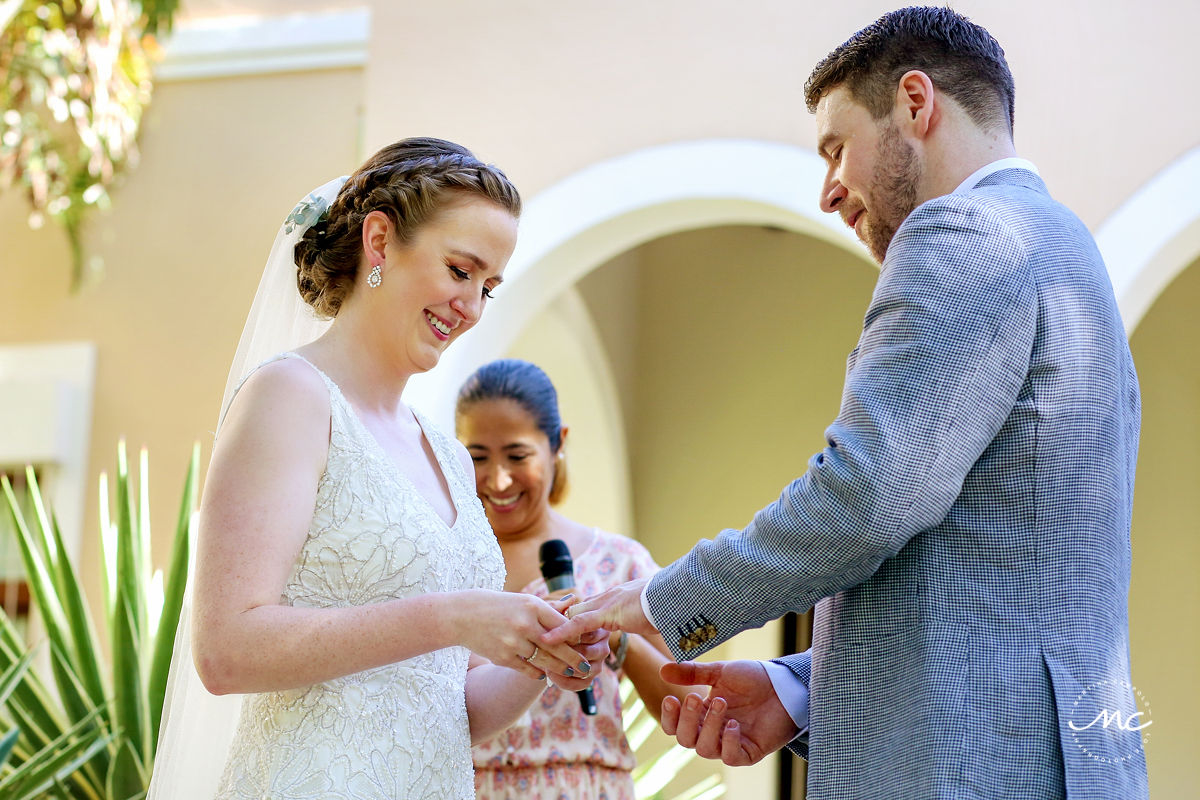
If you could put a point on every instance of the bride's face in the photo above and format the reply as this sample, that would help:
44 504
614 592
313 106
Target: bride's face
435 288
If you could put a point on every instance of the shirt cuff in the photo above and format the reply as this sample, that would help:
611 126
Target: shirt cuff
792 693
646 609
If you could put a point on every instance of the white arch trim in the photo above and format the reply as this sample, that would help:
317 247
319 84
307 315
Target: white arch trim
1153 237
605 209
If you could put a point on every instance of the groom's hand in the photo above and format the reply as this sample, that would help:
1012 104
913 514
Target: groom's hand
615 609
740 721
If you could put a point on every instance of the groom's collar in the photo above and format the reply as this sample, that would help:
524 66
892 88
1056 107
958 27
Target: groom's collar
987 170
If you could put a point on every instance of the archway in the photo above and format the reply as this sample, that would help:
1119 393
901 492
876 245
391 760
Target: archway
574 226
1153 237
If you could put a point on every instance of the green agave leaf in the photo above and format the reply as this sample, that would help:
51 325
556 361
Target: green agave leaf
141 554
127 538
128 700
174 588
55 762
75 700
65 673
85 658
108 547
126 777
41 585
122 722
30 705
39 509
69 594
37 551
12 676
6 745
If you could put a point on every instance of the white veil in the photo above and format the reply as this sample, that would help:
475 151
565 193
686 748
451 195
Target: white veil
197 727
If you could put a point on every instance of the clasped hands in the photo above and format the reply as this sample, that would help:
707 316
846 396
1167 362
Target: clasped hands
740 721
506 628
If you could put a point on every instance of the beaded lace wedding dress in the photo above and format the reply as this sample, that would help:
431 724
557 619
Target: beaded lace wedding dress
398 731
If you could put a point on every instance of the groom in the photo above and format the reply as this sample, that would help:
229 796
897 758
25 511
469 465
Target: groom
964 535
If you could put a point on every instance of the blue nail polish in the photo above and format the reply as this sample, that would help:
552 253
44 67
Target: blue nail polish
585 667
568 672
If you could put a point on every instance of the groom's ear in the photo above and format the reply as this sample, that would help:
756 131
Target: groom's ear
376 230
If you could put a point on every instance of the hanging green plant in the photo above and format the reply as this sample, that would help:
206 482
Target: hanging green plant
77 77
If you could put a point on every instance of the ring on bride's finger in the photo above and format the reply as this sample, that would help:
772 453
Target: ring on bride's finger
533 655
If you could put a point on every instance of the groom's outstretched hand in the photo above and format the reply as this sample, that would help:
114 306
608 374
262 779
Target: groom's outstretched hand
740 721
615 609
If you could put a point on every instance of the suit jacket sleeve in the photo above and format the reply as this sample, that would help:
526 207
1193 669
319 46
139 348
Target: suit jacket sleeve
943 354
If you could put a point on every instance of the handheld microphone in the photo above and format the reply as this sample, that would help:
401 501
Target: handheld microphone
554 559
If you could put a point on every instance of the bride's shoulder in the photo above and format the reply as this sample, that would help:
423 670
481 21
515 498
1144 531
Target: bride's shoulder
287 390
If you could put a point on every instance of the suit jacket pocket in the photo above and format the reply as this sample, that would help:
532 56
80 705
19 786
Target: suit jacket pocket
882 608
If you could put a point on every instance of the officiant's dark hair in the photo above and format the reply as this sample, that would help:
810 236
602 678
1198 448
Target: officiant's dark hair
410 181
529 387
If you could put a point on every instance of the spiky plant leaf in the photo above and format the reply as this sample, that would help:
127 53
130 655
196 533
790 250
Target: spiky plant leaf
6 745
85 643
41 584
128 539
173 592
56 761
11 677
127 777
117 766
30 704
128 700
108 547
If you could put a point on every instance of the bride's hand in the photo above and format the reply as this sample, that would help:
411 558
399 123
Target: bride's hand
504 627
592 646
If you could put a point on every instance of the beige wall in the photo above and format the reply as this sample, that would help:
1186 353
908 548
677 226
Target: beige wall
546 88
1164 595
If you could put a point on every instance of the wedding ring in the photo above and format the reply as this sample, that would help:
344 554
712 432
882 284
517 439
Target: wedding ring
533 655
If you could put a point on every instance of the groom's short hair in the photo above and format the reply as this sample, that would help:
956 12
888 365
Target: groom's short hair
961 58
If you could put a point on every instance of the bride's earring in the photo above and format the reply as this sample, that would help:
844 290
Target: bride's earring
375 276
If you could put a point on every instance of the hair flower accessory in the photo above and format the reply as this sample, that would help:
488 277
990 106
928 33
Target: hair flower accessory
306 213
309 210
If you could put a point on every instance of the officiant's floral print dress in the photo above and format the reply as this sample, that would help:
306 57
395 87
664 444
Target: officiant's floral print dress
555 752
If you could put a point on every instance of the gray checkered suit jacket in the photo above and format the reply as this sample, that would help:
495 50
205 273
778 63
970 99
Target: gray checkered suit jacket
964 534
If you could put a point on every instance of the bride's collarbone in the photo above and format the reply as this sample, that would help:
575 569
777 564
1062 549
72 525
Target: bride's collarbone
413 456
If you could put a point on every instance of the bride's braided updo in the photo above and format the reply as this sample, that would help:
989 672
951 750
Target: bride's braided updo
410 181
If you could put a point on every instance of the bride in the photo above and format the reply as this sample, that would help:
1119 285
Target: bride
346 580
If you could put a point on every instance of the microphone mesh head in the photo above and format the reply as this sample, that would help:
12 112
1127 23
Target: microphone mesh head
555 559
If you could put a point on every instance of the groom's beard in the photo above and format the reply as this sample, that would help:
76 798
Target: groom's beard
894 196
